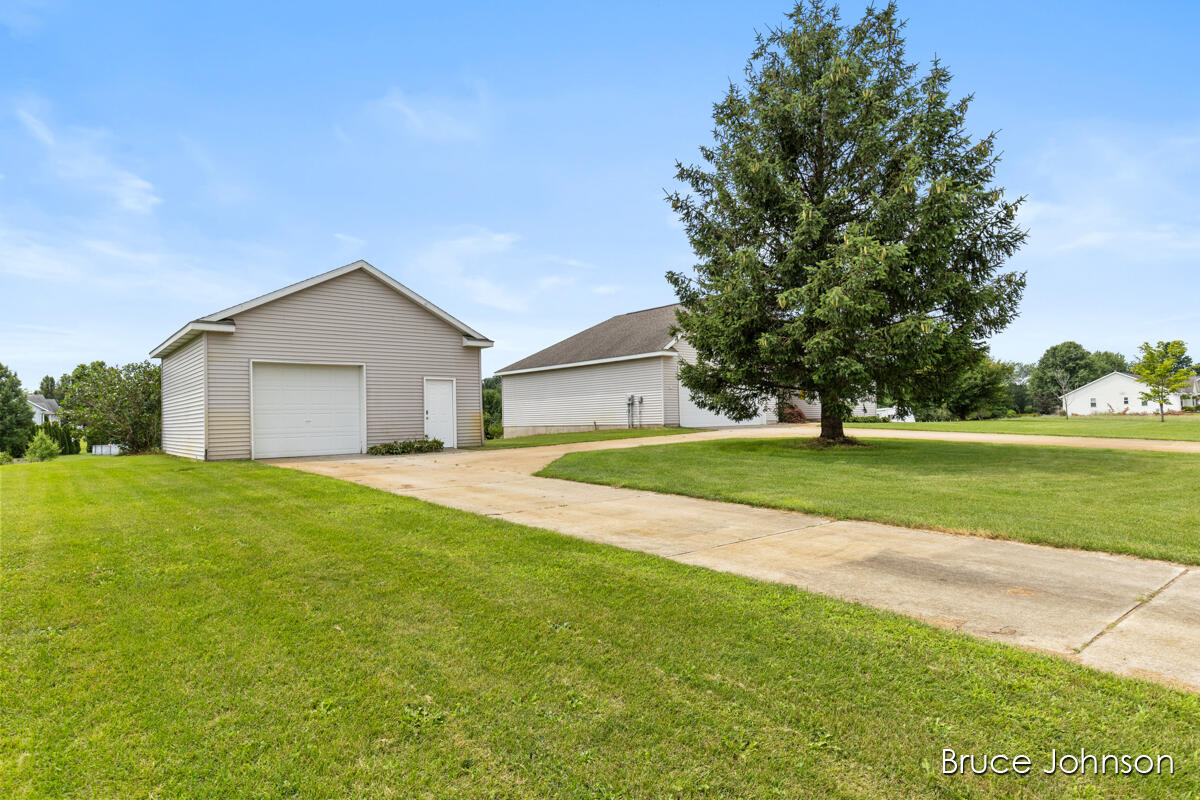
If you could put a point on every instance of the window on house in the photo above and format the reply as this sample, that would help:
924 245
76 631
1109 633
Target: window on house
1093 402
1126 401
1145 402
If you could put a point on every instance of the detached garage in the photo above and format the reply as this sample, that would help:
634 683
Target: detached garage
330 365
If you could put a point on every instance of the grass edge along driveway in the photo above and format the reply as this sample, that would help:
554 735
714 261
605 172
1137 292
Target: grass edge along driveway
1119 501
1178 427
543 439
175 628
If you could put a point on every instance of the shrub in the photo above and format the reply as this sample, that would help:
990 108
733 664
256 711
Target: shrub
495 431
789 412
871 419
42 448
5 458
62 435
939 414
401 448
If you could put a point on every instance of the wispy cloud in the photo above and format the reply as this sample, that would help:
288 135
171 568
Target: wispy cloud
439 118
78 156
117 268
495 269
21 17
351 242
1119 195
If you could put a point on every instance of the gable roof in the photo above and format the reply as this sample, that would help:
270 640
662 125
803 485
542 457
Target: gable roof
220 321
636 334
47 404
1102 377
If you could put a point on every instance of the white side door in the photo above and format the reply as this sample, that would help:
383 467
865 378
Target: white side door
440 419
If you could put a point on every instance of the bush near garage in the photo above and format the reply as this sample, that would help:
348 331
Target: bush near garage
402 448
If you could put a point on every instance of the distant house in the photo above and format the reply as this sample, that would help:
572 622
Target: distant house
622 373
1119 393
45 409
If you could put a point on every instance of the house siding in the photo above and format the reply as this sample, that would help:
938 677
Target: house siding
183 399
670 367
1110 392
692 415
351 319
584 398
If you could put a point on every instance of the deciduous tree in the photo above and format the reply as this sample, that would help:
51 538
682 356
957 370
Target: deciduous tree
1159 370
121 405
848 232
1061 368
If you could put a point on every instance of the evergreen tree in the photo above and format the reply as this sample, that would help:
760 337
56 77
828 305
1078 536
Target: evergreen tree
16 416
848 235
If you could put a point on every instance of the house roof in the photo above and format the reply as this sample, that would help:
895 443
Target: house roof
47 404
636 334
220 321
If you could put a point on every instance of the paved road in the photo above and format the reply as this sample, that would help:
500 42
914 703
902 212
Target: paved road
1125 615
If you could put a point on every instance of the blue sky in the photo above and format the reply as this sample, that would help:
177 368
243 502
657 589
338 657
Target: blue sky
160 161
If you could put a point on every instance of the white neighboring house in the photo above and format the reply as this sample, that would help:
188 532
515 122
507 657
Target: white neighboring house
45 409
1119 393
622 373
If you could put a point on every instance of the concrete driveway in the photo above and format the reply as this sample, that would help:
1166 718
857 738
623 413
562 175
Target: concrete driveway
1125 615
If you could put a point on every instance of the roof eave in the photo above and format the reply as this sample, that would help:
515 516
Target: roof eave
548 367
180 337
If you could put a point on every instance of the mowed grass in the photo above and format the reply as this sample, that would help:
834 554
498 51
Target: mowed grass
179 629
584 436
1135 502
1185 427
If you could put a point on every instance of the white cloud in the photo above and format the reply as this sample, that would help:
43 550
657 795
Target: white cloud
77 156
435 118
605 288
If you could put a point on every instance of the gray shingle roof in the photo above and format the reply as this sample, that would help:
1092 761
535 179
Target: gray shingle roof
623 335
47 404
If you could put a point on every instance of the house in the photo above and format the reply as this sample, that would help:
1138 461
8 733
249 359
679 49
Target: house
622 373
45 409
332 364
1119 393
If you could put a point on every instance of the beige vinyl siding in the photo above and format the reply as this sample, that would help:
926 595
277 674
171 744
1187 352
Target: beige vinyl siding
183 400
351 319
670 368
585 397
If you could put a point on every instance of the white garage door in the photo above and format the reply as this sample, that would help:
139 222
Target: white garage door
307 410
693 416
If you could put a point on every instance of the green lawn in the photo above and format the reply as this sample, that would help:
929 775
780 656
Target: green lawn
179 629
584 436
1136 502
1180 426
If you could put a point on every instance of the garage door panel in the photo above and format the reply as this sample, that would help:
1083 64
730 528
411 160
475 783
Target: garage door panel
307 409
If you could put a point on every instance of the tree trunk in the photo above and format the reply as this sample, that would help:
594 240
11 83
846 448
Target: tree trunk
1162 416
831 429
